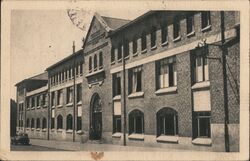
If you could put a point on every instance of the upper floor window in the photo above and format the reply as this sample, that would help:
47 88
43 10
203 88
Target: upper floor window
176 28
164 33
53 99
112 54
70 72
134 45
143 41
33 102
32 123
44 99
95 62
116 84
44 123
80 68
135 80
76 70
205 19
66 73
60 97
100 60
126 49
90 64
166 73
153 37
190 23
28 123
119 55
37 123
200 66
79 92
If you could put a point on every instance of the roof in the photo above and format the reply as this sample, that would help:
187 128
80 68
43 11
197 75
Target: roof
115 23
79 52
133 22
39 77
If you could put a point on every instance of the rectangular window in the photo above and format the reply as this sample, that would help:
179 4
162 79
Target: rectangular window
143 41
81 69
117 124
79 123
200 69
117 84
69 94
166 73
52 118
205 19
134 46
135 80
176 28
119 56
33 102
203 124
28 103
164 34
59 97
126 49
37 101
153 37
112 54
43 99
190 24
79 92
53 100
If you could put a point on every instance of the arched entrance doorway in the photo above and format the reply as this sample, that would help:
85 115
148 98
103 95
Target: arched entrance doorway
95 118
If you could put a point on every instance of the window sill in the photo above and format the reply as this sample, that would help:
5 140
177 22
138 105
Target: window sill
135 54
44 106
154 47
27 128
191 34
144 51
79 103
52 130
69 104
177 39
38 107
59 130
32 108
199 85
112 63
119 60
69 131
206 28
165 43
96 72
52 107
80 132
44 130
118 97
166 90
28 109
202 141
38 129
32 129
117 135
59 106
167 138
136 136
135 95
127 57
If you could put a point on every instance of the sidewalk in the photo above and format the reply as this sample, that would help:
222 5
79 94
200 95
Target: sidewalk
77 146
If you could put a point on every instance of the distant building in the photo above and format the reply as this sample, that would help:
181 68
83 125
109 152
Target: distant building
13 117
163 79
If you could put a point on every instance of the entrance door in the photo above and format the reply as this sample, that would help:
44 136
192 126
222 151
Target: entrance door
96 119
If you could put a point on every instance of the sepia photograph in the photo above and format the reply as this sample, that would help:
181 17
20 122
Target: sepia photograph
99 79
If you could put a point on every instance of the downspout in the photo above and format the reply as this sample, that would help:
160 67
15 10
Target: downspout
49 110
224 62
124 97
74 90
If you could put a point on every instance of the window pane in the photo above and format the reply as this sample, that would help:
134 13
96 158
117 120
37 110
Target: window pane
143 41
138 81
134 45
205 18
169 122
204 126
164 33
153 37
190 23
176 28
138 123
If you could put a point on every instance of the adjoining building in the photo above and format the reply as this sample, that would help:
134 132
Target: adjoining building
164 79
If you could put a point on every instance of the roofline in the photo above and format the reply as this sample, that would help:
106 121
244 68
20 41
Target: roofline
64 59
116 18
132 22
30 78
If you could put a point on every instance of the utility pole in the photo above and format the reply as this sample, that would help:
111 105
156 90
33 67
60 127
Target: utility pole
74 90
224 62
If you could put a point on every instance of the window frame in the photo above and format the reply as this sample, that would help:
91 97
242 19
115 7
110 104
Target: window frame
190 21
69 121
205 20
133 116
164 34
59 121
143 42
153 37
132 77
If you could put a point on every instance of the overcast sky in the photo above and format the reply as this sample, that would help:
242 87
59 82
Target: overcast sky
39 38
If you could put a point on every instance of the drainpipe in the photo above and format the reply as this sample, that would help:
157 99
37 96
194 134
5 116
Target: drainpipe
49 110
124 97
74 90
224 62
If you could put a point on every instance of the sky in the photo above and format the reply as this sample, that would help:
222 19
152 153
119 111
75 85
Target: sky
40 38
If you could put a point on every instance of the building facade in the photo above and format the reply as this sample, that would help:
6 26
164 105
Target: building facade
164 79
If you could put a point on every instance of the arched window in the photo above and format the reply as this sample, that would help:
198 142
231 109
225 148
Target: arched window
100 60
44 123
143 41
28 123
167 122
59 122
32 123
153 37
136 122
95 63
90 64
37 123
69 122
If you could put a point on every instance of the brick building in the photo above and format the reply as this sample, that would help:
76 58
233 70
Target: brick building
166 78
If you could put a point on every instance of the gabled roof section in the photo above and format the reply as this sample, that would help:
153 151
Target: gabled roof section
79 52
39 77
108 23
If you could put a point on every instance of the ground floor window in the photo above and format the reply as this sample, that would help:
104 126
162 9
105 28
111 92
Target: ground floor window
32 123
79 123
59 122
52 123
117 124
136 122
28 123
44 123
167 122
37 123
202 123
69 122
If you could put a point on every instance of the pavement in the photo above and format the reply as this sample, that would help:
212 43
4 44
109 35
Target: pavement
31 148
77 146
